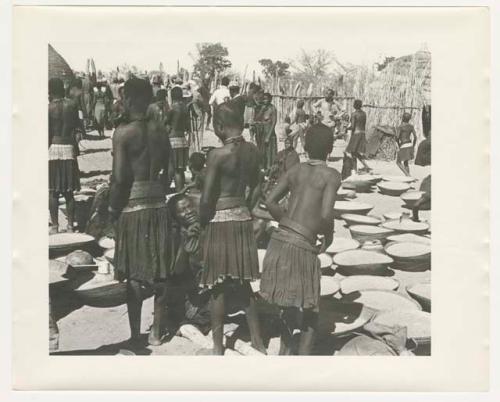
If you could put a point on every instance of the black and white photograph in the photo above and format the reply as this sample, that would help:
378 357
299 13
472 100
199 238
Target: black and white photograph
264 192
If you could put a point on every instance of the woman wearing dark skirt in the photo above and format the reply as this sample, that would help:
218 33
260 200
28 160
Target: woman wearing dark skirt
64 175
230 250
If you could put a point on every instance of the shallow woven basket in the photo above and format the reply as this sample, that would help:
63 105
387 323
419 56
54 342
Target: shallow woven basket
391 188
416 263
399 179
357 283
357 219
407 226
411 197
363 233
418 323
340 244
107 295
351 207
383 300
362 262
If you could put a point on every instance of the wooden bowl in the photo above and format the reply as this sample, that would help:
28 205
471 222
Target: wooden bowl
328 286
413 257
391 216
342 244
393 188
411 197
356 219
421 292
364 233
358 283
417 323
400 179
351 207
407 226
359 262
383 300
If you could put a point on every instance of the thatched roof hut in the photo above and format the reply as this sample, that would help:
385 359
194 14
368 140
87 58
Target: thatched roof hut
403 86
58 67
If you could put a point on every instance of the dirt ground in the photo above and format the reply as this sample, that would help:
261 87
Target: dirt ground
89 330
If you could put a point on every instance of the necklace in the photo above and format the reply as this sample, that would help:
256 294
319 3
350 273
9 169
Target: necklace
316 162
233 140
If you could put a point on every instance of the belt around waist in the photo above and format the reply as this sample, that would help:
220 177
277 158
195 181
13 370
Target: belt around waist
147 189
229 202
288 223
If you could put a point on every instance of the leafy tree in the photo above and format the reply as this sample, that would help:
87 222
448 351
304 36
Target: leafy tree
211 59
313 66
274 69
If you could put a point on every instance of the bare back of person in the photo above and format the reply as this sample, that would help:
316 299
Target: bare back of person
147 149
359 121
307 186
63 120
233 177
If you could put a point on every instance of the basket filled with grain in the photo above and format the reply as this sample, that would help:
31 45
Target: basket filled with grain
407 226
417 324
399 179
340 244
325 261
351 207
410 256
411 197
382 300
356 219
359 262
358 283
393 188
363 233
328 286
409 237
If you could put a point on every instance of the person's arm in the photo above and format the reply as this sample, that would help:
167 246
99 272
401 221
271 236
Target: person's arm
255 189
414 134
328 203
272 124
120 176
208 199
212 98
277 193
353 123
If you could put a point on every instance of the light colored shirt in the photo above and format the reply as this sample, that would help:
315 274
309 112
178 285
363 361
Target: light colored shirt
220 95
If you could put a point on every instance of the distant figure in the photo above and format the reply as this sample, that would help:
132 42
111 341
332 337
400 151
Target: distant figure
64 175
291 275
221 94
177 123
357 143
118 115
158 110
141 150
230 251
299 125
327 109
102 100
265 137
406 138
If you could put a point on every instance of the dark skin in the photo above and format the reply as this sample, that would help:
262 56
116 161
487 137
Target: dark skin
405 134
63 123
137 160
224 179
313 191
358 124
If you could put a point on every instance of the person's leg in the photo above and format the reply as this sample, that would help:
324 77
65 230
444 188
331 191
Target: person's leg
288 323
54 211
407 166
362 159
401 166
70 209
253 318
134 307
217 318
154 337
308 332
179 179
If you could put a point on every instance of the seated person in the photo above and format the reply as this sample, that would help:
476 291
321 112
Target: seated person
423 203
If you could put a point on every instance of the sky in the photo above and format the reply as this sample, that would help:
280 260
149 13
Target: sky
248 36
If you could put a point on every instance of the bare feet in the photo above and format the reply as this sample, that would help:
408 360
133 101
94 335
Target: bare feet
154 340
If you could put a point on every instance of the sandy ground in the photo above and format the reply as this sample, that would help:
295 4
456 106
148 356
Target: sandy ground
88 330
